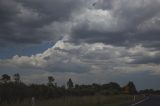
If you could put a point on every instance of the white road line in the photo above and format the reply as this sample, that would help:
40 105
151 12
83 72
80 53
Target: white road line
140 101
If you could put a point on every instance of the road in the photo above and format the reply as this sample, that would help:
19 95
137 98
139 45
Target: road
151 101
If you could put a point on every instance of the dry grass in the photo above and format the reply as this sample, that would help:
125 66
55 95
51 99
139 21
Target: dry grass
119 100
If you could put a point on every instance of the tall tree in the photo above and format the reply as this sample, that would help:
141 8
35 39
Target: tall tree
50 80
70 83
130 88
5 78
17 78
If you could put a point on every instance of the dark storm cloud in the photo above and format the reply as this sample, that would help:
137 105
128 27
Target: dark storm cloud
13 29
125 23
22 21
91 36
137 22
147 60
149 38
53 9
103 4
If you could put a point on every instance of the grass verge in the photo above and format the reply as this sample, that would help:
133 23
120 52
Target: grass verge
116 100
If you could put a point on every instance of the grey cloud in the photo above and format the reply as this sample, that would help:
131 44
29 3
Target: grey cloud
147 60
54 10
90 36
116 22
68 67
136 23
103 4
100 38
87 62
23 22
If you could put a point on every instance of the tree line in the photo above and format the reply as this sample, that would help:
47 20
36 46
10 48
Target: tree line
16 90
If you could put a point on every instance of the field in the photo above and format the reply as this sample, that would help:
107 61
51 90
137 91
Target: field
118 100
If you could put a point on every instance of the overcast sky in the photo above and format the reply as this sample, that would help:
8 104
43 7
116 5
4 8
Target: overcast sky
87 40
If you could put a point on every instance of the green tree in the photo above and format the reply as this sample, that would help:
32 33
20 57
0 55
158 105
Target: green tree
50 80
5 78
70 83
130 88
17 78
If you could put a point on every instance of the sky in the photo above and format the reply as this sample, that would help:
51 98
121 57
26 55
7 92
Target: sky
90 41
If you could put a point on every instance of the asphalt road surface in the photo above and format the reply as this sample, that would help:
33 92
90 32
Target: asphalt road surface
151 101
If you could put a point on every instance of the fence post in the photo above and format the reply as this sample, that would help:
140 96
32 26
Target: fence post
33 101
134 98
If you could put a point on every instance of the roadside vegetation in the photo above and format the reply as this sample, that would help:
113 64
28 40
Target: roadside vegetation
16 93
110 100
